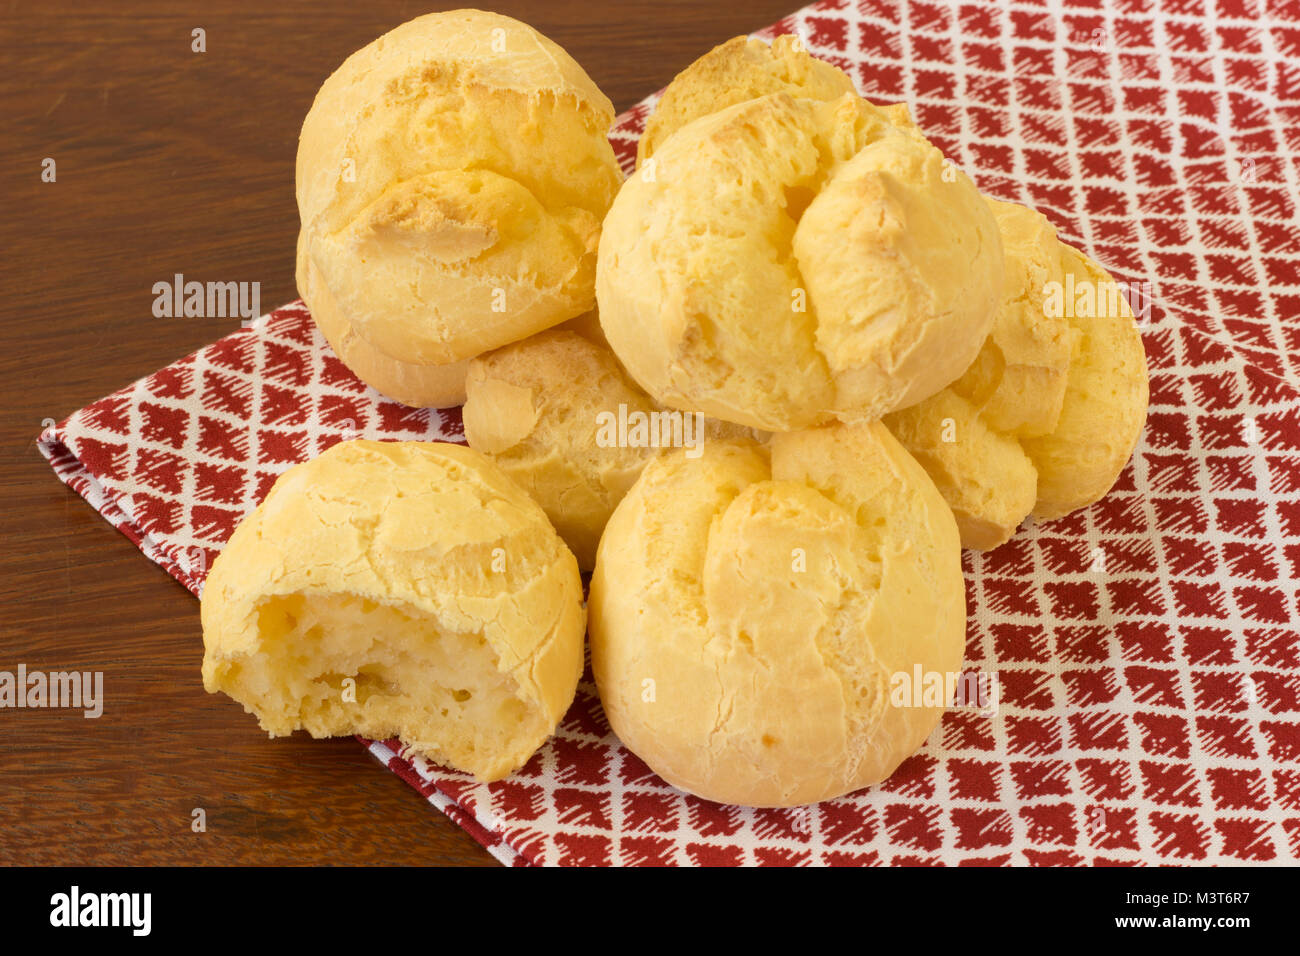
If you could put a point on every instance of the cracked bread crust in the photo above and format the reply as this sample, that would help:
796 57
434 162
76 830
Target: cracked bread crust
534 407
451 181
1048 413
732 72
969 436
1047 416
749 609
425 576
1104 407
797 261
420 386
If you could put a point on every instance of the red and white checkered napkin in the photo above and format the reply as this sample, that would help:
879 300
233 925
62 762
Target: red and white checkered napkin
1147 648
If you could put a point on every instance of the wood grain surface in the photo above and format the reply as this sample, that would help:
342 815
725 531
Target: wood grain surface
174 161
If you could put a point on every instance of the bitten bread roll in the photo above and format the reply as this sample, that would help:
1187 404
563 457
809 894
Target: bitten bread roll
451 180
1048 414
399 589
748 615
794 261
548 410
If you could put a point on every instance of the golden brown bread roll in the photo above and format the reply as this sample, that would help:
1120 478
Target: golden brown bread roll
451 181
1105 403
795 260
732 72
989 440
405 589
420 386
1047 416
546 410
749 615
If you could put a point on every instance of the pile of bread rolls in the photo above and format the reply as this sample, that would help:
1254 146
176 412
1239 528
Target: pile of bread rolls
845 354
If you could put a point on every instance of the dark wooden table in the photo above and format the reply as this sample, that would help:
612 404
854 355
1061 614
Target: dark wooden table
173 161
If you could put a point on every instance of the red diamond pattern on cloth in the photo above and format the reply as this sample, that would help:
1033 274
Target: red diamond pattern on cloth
1146 649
